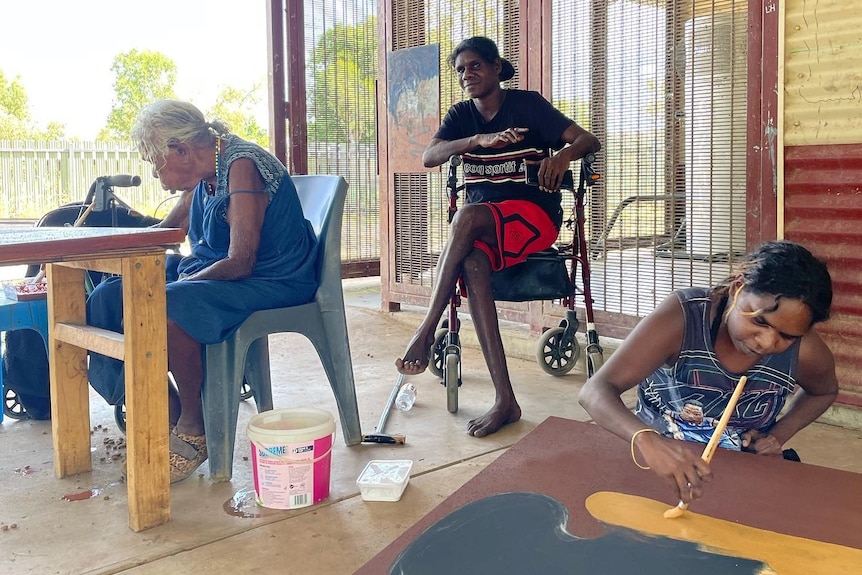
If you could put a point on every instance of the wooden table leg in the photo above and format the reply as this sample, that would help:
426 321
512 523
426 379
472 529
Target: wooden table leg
70 394
145 328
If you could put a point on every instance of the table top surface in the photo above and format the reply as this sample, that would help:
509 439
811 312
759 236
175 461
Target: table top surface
50 244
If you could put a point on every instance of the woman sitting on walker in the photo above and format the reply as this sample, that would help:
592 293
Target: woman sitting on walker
686 357
504 220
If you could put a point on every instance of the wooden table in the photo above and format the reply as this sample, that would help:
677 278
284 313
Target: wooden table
139 256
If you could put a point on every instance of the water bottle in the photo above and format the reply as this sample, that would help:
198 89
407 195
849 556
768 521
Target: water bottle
406 397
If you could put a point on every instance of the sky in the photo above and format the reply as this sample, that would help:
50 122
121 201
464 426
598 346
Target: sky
62 52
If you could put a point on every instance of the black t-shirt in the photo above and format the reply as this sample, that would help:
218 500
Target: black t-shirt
494 175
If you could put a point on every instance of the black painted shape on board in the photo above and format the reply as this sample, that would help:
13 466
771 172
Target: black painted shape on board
525 533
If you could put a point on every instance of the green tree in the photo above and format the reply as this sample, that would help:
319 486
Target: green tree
54 131
236 108
13 98
344 72
15 121
576 110
139 78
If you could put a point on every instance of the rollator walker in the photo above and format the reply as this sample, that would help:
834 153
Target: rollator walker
558 349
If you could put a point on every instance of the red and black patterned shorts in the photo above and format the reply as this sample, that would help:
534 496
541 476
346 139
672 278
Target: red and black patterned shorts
523 228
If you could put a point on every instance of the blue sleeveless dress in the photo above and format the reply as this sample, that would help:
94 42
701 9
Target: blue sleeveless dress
686 400
211 310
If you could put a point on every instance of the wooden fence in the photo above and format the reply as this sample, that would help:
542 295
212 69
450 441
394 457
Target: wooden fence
36 177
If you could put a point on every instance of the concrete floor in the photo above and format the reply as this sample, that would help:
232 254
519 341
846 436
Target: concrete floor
216 527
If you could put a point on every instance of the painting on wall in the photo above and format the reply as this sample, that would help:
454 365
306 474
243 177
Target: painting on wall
413 105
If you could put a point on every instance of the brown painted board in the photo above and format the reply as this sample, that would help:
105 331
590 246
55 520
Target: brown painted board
569 460
517 533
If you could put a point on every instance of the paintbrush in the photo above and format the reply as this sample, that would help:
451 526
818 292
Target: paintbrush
708 452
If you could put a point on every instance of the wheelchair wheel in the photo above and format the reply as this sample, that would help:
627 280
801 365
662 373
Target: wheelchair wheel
435 365
120 416
120 410
555 353
595 359
12 406
245 391
452 379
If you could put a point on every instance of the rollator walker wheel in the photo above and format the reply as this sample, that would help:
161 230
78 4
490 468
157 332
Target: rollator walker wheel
556 352
452 379
595 359
438 357
120 416
12 406
449 349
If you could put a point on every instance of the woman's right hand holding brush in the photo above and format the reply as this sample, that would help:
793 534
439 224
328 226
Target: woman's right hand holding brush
683 469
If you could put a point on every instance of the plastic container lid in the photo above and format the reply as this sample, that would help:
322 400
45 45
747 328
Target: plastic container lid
289 425
384 480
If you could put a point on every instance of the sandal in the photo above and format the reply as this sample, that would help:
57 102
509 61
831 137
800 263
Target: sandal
187 454
124 470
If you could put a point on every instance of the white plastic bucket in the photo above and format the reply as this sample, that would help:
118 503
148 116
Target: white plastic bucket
291 452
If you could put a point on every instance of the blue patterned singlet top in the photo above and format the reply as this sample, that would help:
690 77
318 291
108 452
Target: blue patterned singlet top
685 400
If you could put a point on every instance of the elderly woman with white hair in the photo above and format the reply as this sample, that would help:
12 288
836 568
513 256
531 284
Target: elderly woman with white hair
251 249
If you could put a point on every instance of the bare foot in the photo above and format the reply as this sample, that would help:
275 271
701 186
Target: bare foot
416 356
497 417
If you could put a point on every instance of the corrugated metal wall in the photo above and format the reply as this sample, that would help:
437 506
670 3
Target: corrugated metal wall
823 209
822 187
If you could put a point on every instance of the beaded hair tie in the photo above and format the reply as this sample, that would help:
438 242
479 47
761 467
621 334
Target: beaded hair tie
210 188
218 157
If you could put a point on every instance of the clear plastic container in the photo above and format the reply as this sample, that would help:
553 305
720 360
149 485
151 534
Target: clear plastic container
384 480
406 397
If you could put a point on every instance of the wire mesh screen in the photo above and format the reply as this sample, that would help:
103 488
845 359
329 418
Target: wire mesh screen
421 203
341 76
662 83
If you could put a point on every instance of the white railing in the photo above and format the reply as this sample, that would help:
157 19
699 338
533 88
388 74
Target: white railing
37 177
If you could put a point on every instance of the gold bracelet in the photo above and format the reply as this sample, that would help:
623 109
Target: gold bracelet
638 432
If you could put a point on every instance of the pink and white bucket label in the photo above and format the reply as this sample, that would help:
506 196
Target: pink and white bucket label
292 475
